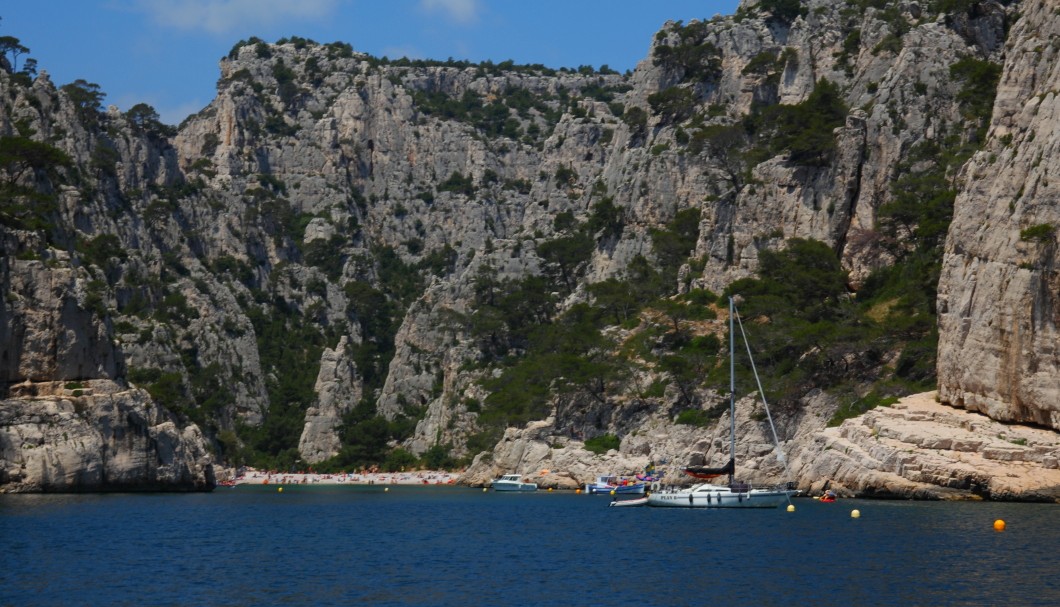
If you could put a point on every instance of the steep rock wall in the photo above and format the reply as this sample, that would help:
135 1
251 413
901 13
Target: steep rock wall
62 437
999 346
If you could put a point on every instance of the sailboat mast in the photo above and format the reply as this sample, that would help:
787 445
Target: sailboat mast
732 386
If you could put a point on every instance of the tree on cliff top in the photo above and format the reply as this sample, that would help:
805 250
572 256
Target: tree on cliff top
9 45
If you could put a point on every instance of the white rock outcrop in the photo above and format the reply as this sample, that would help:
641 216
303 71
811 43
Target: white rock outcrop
96 435
999 292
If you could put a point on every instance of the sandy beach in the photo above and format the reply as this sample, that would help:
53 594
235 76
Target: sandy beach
422 477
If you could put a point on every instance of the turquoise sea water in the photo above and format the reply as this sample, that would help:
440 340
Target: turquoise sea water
451 546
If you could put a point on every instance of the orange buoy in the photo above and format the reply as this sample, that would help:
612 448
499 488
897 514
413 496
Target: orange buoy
999 525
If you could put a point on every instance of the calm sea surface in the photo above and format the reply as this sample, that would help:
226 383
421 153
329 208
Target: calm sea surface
450 546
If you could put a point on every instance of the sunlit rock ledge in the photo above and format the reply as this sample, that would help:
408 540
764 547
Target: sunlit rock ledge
95 436
921 449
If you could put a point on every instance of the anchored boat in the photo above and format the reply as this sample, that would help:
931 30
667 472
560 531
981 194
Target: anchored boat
513 482
609 484
733 494
637 501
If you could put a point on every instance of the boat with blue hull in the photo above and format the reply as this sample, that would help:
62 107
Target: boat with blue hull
609 484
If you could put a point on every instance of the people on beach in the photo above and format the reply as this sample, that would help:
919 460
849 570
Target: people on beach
371 476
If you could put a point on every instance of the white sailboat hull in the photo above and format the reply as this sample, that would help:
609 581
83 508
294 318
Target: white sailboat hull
720 496
736 494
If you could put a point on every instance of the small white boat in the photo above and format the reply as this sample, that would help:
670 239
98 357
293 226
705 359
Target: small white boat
637 501
512 482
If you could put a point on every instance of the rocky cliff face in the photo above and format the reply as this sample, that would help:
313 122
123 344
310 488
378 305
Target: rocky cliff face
335 231
998 310
96 435
65 424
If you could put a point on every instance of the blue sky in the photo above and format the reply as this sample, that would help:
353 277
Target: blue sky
166 52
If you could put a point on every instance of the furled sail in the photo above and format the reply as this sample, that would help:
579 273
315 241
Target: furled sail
705 472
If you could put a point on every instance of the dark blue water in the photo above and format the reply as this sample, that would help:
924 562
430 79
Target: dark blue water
448 546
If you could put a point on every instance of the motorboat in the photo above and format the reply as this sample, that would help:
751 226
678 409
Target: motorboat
609 484
512 482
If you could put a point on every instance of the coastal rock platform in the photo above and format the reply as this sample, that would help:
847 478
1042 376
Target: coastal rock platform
919 448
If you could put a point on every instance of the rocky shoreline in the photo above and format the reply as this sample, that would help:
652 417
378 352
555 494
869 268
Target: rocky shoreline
914 449
104 437
421 477
921 449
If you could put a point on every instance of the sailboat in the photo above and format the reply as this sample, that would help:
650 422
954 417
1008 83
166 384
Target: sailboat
734 494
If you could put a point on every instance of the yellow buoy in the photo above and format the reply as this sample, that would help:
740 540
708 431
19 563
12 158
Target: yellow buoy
279 489
483 489
385 489
791 507
550 489
855 514
999 525
612 492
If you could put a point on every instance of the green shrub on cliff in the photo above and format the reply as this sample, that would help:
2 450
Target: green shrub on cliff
675 104
602 444
1039 233
673 243
782 10
696 58
979 79
101 249
804 130
22 206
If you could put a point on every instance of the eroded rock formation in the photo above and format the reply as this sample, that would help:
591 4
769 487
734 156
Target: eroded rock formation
96 435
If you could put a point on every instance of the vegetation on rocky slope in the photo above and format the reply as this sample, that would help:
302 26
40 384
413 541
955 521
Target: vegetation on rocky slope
225 269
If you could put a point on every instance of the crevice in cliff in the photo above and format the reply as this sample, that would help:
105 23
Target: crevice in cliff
853 194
